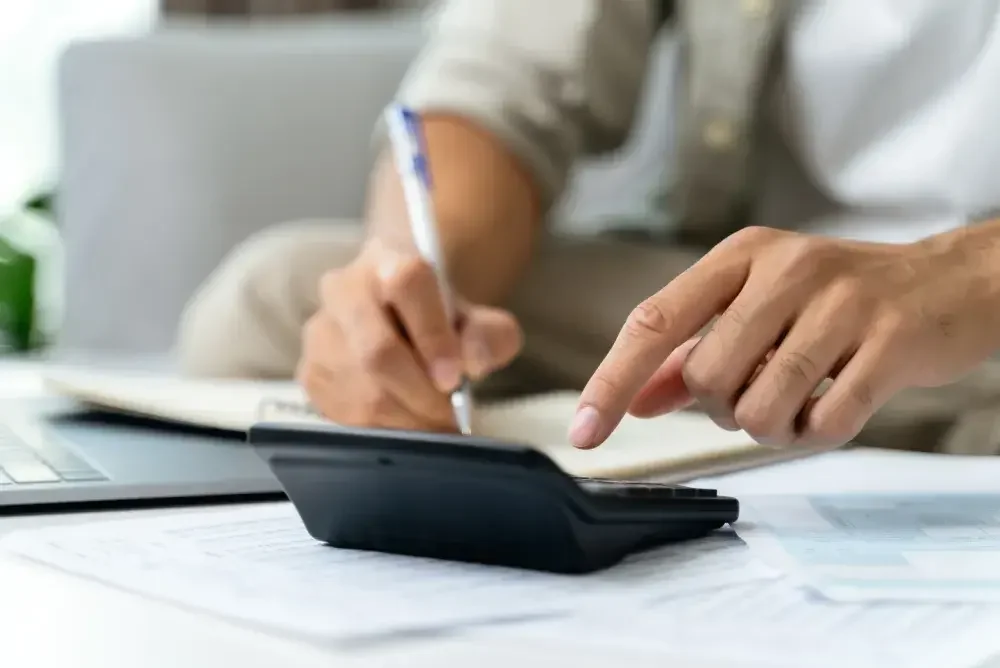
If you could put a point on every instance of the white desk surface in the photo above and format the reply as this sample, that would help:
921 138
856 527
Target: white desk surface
50 619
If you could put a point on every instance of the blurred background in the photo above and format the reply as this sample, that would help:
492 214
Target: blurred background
142 140
101 154
34 33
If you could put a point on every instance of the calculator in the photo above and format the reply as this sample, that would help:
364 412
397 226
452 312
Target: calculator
473 499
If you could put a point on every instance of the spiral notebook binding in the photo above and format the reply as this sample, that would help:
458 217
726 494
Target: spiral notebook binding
284 410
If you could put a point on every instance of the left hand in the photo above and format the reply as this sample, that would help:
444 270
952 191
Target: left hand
793 311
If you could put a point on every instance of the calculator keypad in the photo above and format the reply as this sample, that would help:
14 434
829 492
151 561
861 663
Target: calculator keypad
634 488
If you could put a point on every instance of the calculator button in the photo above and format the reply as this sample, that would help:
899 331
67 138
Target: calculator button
627 488
637 489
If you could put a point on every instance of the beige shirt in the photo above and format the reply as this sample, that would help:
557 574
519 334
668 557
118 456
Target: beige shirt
883 106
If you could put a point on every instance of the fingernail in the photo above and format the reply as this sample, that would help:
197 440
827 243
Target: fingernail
446 374
583 431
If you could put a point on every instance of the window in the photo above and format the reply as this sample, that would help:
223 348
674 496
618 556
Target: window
32 35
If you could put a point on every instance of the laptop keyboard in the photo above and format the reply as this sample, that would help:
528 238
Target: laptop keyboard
41 459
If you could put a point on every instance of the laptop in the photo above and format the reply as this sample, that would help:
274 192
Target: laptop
56 453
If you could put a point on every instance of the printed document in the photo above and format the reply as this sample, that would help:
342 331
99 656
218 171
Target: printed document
258 565
776 624
891 546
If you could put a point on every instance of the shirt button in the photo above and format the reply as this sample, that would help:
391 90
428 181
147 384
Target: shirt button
719 134
757 8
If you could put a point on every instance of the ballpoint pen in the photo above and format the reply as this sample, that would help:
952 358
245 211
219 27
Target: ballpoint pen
406 138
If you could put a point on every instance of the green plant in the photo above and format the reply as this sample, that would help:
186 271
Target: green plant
25 238
42 203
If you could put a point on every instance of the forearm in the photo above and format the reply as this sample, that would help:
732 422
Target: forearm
487 208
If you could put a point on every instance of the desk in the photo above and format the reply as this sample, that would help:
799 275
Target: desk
50 619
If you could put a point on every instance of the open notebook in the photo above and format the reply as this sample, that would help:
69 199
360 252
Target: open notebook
676 447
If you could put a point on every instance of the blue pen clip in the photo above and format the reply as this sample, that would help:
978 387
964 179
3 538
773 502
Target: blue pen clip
420 166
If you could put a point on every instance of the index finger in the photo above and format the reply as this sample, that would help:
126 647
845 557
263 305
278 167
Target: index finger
652 331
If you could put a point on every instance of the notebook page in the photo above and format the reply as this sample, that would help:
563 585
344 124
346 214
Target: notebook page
636 448
678 443
258 565
223 404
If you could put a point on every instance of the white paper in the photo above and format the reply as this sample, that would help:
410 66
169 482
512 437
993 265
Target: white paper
882 546
865 470
772 623
260 566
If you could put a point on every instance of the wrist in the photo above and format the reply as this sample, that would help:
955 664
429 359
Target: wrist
967 261
486 208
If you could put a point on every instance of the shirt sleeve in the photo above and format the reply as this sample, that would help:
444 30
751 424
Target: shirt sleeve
552 79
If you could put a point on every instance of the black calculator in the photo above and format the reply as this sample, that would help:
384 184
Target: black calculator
474 499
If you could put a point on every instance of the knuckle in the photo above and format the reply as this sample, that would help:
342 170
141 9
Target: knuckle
757 421
330 286
830 428
845 303
794 367
892 322
861 396
752 235
378 354
317 342
375 406
438 341
805 256
841 422
316 381
804 247
706 381
410 274
309 377
733 320
435 336
847 292
648 320
312 333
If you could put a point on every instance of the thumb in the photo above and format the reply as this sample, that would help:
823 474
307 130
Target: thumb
665 391
491 339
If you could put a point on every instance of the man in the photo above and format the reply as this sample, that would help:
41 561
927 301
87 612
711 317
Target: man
864 107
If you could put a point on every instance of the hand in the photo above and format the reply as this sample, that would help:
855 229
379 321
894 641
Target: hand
794 311
381 353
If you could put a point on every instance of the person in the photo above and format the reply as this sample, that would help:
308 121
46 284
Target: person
824 265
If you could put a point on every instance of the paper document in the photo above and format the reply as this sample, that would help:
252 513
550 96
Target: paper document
881 546
673 447
865 470
258 565
773 624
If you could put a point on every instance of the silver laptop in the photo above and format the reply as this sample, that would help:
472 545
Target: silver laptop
52 452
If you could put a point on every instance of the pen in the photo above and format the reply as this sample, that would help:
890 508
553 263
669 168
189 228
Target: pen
406 137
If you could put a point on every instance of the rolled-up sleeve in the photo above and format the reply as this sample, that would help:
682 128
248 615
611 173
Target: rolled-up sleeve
552 79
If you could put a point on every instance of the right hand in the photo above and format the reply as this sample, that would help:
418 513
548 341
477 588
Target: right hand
380 352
